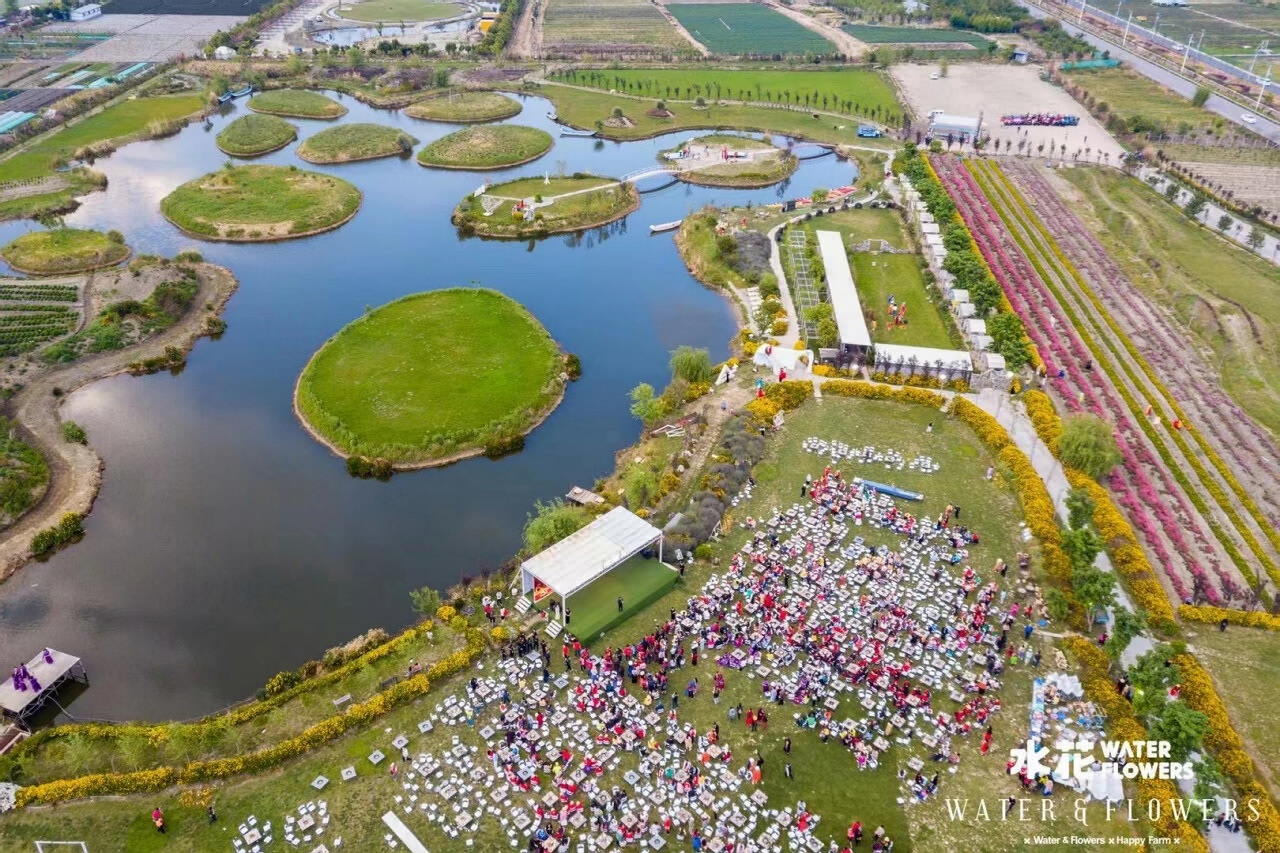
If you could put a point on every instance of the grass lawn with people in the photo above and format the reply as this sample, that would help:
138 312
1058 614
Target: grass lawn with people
252 203
348 143
487 147
296 103
431 375
64 250
465 107
255 134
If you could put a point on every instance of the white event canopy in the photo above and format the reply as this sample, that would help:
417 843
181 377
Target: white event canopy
582 557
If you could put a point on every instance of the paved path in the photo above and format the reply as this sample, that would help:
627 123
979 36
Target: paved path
1239 231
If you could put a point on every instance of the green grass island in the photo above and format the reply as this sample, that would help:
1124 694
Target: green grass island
255 134
431 379
725 160
487 147
535 207
60 251
296 103
351 143
258 204
471 107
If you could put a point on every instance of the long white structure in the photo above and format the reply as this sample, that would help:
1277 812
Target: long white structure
897 356
845 304
582 557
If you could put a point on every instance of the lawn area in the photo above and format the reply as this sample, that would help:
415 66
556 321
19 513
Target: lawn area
1128 93
638 581
430 375
620 25
349 143
296 103
465 107
740 29
914 35
489 147
248 203
849 91
255 134
579 209
116 122
1184 267
399 10
63 250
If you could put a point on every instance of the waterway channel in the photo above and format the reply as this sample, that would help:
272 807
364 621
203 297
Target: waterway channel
225 544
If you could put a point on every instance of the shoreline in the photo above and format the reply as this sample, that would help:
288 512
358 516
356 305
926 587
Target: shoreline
75 470
537 156
537 233
304 157
220 239
284 144
301 115
77 271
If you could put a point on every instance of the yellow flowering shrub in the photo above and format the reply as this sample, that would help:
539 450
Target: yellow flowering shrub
763 409
875 391
824 370
1043 417
446 612
1213 615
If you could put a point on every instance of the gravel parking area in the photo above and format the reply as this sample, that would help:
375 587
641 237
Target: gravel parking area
153 38
996 90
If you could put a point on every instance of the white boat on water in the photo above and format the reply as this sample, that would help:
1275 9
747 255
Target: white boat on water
665 226
569 131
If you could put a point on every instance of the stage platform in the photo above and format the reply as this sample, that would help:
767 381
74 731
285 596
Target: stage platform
16 705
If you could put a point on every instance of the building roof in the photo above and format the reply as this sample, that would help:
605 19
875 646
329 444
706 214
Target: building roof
582 557
945 121
845 304
13 701
951 358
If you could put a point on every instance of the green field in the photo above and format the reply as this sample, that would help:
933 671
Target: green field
1129 94
63 250
465 107
637 581
399 10
1231 29
609 25
852 92
296 103
582 206
23 474
254 134
742 29
430 375
118 121
348 143
1225 294
914 35
488 147
251 203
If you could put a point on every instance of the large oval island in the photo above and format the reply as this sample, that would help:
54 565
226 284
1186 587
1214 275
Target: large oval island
430 379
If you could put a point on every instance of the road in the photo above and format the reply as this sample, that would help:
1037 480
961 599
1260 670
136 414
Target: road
1217 104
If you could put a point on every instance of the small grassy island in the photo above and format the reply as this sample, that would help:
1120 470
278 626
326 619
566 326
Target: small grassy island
260 203
296 103
492 147
533 207
349 143
59 251
465 107
254 134
723 160
432 378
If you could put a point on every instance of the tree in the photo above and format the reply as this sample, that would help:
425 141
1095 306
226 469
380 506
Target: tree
828 333
1255 238
1082 546
692 365
644 403
1171 191
551 522
819 195
1080 509
1095 588
1182 726
1201 95
1195 205
1225 222
1124 627
426 601
1088 445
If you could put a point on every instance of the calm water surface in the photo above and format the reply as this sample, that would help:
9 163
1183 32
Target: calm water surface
225 544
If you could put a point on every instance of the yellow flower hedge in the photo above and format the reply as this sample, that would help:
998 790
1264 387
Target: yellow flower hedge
1044 418
1226 746
873 391
1213 615
142 781
1124 725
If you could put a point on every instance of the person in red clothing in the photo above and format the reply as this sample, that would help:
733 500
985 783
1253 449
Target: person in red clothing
157 817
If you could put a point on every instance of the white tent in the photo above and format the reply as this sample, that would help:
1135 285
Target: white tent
795 361
582 557
845 304
926 358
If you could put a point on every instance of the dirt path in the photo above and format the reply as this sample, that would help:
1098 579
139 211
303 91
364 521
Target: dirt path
37 186
847 44
75 470
526 37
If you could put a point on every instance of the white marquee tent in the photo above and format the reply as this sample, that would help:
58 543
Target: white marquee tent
582 557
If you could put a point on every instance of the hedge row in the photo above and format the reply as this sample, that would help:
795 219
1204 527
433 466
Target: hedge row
873 391
1214 615
363 713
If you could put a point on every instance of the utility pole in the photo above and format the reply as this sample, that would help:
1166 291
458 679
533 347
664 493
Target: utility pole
1186 53
1083 4
1127 24
1262 89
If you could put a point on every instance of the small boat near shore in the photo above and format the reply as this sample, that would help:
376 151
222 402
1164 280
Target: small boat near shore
239 93
665 226
569 131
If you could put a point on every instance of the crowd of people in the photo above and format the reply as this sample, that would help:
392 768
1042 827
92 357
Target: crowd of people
1040 120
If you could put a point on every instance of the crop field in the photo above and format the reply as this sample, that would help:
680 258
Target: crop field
1129 94
25 326
914 35
741 29
1249 184
851 92
1230 155
601 24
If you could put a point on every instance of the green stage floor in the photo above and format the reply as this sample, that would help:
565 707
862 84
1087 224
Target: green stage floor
595 609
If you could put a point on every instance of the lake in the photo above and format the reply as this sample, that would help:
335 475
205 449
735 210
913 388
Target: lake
225 544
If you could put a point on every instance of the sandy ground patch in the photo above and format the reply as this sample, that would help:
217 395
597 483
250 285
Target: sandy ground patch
995 90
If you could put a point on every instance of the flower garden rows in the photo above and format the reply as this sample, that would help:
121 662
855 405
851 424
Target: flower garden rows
1043 253
1055 340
